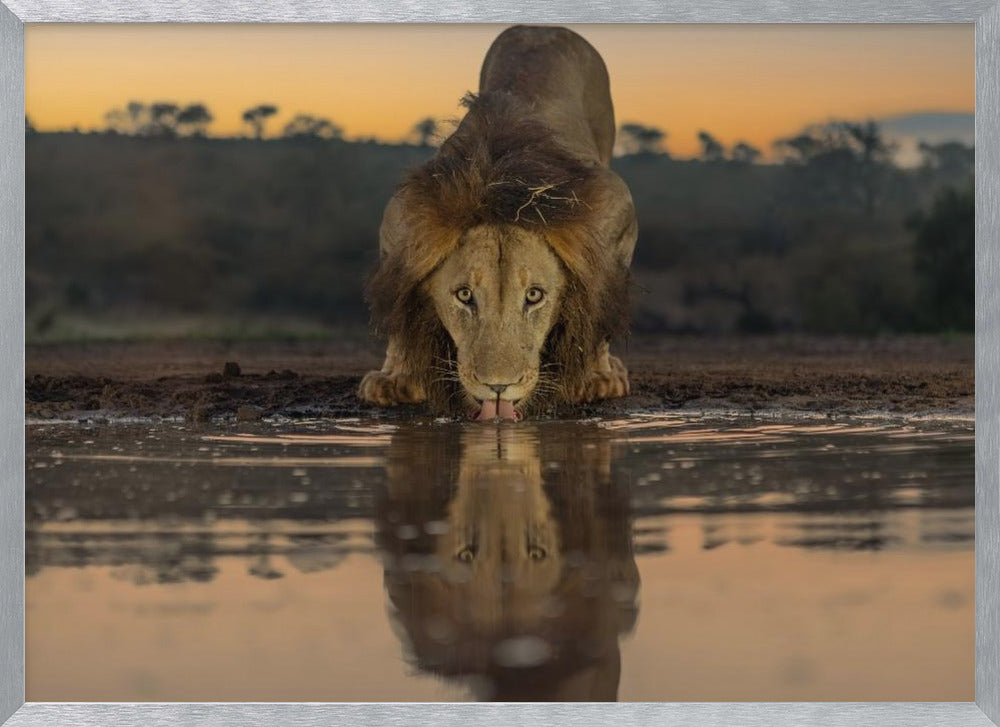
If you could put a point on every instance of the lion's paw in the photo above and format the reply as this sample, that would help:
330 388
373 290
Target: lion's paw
389 389
619 368
605 384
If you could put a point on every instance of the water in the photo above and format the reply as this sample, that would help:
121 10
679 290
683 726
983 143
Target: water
654 558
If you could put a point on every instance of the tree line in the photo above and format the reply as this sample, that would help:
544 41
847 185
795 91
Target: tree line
825 144
636 138
168 120
835 238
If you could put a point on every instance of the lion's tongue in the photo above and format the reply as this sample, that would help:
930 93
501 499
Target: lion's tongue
493 409
506 410
489 411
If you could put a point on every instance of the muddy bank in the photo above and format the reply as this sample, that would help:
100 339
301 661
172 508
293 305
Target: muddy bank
907 375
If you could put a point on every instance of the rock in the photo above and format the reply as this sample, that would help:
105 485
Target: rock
249 413
201 412
231 370
283 375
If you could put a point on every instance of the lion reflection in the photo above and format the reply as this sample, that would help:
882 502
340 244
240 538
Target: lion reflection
508 558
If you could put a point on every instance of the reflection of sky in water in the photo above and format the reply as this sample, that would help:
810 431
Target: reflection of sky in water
653 558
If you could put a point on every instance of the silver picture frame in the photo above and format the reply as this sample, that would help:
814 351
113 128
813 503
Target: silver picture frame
14 712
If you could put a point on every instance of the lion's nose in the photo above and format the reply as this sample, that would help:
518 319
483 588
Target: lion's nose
498 388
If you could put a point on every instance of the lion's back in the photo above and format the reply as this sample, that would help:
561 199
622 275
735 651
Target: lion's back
558 72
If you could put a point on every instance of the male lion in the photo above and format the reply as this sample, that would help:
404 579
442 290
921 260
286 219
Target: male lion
503 272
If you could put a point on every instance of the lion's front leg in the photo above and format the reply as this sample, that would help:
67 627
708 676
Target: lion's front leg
393 384
607 380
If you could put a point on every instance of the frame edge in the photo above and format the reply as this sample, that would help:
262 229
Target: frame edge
987 706
509 11
987 193
12 350
777 714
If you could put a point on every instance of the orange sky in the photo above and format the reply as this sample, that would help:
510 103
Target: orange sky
751 83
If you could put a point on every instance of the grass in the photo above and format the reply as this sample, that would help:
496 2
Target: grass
122 328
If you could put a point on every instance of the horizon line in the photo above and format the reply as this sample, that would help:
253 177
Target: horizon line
453 122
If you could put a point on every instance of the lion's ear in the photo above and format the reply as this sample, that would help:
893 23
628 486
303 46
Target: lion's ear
606 234
414 237
392 233
614 222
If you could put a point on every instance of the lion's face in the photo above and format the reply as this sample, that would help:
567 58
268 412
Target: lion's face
498 296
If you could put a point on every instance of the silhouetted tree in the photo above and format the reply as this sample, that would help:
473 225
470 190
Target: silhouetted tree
641 139
312 127
945 261
425 130
874 153
744 153
864 140
136 112
162 119
807 145
159 119
132 120
868 140
193 119
29 128
256 117
952 159
711 149
127 120
849 158
116 121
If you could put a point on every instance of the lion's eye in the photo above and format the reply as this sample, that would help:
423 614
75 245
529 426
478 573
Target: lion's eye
534 295
466 554
536 552
464 295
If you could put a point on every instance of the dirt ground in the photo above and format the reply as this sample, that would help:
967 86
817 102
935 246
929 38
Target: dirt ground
196 380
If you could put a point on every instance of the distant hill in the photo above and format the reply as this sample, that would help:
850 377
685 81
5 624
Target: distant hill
909 130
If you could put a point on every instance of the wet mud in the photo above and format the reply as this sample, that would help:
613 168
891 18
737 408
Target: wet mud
201 381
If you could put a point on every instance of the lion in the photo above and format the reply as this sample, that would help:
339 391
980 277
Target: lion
514 579
503 272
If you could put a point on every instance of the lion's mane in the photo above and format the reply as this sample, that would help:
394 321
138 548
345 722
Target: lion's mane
501 167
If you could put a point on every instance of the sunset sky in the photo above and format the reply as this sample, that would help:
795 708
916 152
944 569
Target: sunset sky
752 83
